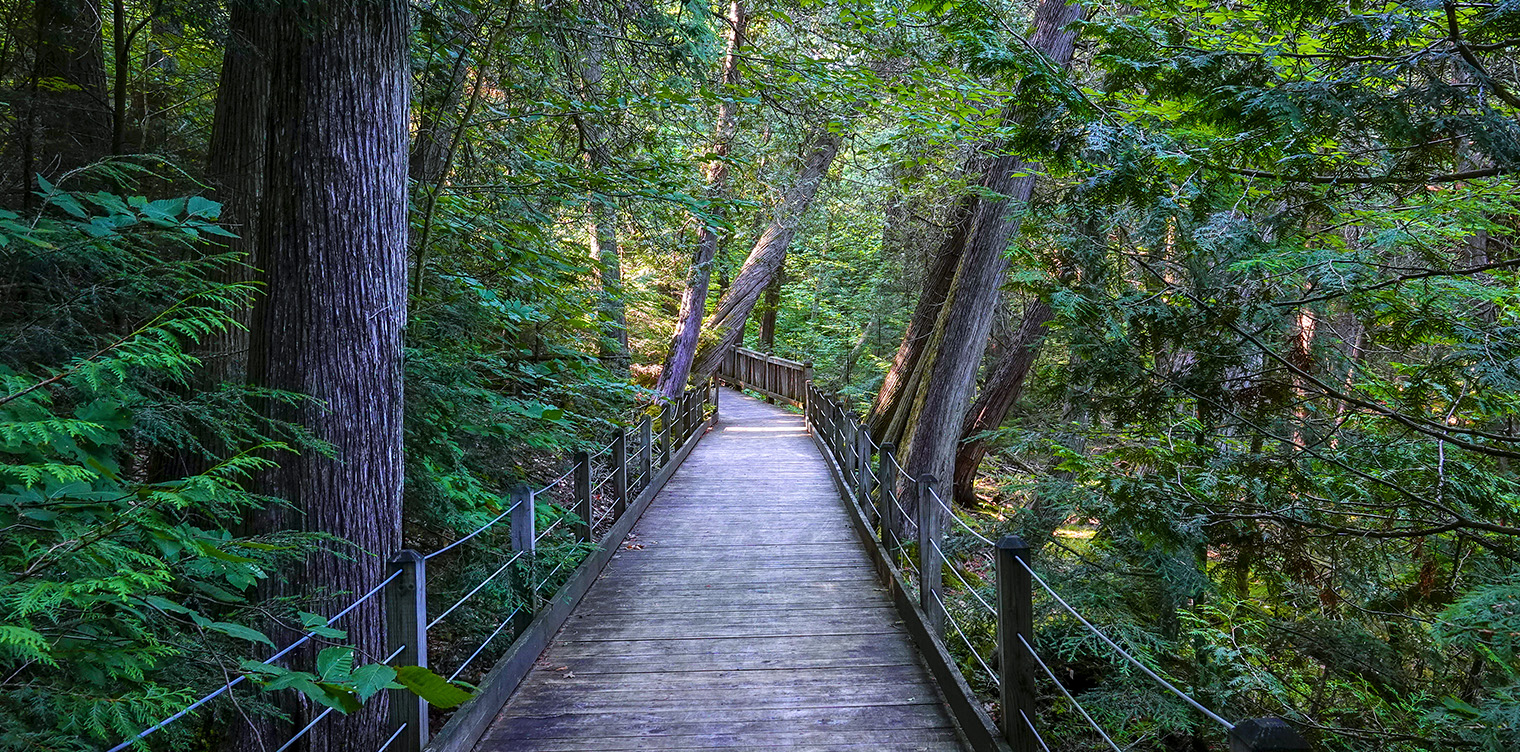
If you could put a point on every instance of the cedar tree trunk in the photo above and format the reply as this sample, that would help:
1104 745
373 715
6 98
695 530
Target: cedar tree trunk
333 234
683 341
960 337
766 258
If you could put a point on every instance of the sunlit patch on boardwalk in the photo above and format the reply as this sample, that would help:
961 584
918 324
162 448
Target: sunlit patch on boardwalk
743 613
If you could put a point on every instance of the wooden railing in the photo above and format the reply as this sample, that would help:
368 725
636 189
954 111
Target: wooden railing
777 378
595 516
903 521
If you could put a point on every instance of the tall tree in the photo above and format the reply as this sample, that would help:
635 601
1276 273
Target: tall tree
767 256
766 339
235 170
960 336
1003 385
888 413
683 341
333 232
68 114
603 230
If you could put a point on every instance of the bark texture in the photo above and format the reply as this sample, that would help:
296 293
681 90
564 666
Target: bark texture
960 337
684 340
613 349
235 171
766 339
69 112
887 414
1004 384
333 234
765 259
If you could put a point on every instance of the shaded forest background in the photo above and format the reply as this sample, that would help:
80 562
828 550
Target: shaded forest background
1214 303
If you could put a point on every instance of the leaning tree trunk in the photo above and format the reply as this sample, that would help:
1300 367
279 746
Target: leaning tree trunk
960 337
898 383
333 233
765 259
999 393
683 341
235 171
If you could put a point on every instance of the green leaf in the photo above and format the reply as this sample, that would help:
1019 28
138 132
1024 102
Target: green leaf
203 207
239 631
335 663
372 678
431 687
317 625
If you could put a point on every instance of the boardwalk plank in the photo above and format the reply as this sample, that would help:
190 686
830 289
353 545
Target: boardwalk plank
742 613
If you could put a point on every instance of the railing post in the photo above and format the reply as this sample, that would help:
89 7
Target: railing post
886 498
646 449
841 432
619 473
930 565
1266 735
863 473
665 432
524 539
1015 620
583 520
406 625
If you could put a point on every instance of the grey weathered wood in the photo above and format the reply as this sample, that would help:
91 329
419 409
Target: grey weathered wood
646 440
1015 619
524 522
472 719
863 473
583 519
1266 735
406 629
739 613
972 719
619 473
891 519
665 435
931 565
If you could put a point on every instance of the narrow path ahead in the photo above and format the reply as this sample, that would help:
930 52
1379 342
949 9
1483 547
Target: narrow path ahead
742 613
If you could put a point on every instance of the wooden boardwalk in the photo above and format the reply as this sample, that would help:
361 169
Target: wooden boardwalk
742 613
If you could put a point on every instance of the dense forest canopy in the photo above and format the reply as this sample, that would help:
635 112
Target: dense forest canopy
1213 303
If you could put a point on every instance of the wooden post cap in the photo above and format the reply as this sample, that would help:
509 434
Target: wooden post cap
1012 543
1266 735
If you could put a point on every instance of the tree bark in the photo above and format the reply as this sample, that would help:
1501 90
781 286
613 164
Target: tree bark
333 233
235 171
767 334
766 258
960 338
887 408
71 115
613 348
1001 390
684 340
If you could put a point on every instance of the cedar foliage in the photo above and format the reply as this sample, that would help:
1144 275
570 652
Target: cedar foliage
1267 440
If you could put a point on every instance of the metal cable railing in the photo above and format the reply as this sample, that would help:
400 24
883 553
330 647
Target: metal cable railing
953 622
1211 715
408 564
396 733
839 435
271 659
475 590
482 647
1067 693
